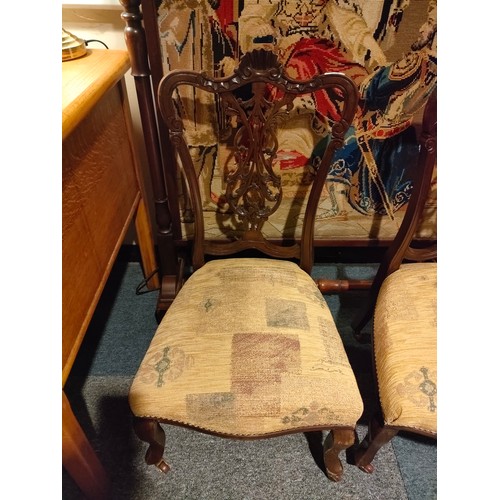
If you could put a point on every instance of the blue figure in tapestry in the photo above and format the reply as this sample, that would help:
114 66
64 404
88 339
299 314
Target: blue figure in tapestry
381 148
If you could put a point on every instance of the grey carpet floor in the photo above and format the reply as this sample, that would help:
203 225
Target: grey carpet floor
207 467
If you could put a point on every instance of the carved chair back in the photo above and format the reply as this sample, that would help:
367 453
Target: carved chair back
244 114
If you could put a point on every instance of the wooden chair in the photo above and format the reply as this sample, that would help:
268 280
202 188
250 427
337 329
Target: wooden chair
249 349
405 323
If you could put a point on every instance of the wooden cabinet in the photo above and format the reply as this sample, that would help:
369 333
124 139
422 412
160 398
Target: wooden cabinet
101 197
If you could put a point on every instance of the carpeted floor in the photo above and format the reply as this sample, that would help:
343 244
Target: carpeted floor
207 467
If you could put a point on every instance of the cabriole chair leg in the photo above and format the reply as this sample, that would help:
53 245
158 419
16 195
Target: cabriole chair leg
335 442
377 436
151 432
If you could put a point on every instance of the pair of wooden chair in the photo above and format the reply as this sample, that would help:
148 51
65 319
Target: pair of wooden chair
248 347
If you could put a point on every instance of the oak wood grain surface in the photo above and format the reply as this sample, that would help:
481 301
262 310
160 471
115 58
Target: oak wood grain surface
84 82
101 197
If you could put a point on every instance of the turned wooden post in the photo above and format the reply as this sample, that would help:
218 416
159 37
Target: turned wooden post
137 49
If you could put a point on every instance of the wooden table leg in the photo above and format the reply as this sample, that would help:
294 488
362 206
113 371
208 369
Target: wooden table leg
146 246
79 459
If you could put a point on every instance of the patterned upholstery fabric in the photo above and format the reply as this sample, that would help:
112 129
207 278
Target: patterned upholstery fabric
279 367
405 342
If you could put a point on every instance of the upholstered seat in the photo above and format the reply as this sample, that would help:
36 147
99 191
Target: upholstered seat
405 344
218 364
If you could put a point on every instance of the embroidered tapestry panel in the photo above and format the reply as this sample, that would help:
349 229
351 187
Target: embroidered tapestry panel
388 47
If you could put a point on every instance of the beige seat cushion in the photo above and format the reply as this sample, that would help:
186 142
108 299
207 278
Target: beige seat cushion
248 348
406 347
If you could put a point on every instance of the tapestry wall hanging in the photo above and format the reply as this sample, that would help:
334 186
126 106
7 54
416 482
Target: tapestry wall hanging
388 47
